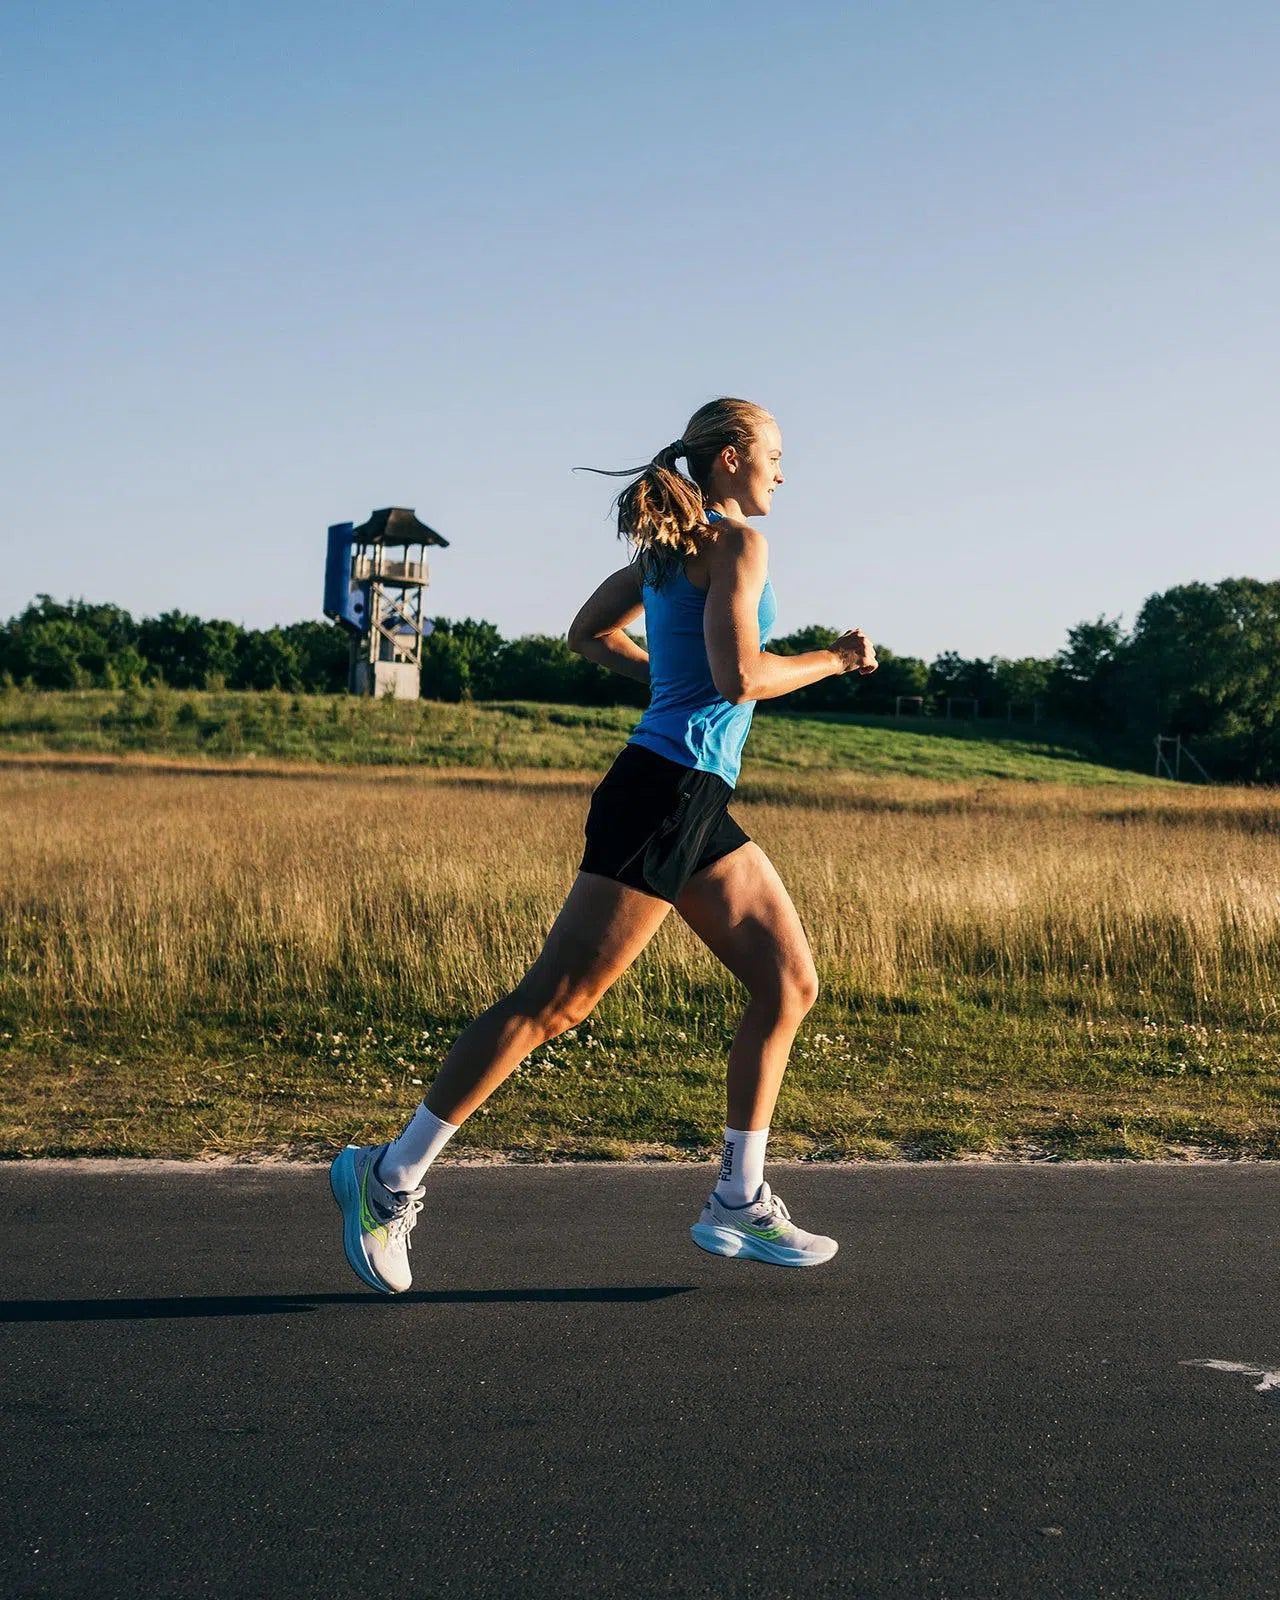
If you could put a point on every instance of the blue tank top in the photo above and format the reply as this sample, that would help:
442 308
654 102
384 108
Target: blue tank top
688 720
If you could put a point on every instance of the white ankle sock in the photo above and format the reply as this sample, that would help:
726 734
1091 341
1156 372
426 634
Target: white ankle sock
742 1165
407 1158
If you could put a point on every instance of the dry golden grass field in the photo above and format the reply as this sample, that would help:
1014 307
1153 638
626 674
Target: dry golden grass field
200 963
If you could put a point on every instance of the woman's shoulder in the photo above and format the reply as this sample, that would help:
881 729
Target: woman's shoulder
733 543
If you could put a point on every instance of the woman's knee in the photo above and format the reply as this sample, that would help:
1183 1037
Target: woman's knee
803 988
790 992
794 991
552 1012
809 987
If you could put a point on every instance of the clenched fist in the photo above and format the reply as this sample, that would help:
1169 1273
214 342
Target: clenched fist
856 652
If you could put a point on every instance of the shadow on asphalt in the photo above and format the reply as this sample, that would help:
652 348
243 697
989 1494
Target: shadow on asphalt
269 1305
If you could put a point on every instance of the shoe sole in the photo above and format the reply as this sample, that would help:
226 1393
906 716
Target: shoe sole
719 1241
342 1182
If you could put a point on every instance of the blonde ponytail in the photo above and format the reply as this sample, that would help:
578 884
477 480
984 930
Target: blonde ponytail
663 513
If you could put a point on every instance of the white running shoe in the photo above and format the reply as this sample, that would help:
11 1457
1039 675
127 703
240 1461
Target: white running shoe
762 1230
376 1221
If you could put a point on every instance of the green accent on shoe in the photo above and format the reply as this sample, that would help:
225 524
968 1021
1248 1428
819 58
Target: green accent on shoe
757 1233
370 1222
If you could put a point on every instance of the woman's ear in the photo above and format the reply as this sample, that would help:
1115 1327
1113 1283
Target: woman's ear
729 458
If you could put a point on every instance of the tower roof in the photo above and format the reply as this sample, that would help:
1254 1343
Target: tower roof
396 525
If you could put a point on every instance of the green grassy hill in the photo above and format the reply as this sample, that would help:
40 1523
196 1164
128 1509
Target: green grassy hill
341 730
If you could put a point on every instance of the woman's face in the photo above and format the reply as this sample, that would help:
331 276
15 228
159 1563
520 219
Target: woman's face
755 475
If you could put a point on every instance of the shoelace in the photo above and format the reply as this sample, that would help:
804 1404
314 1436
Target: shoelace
777 1206
405 1217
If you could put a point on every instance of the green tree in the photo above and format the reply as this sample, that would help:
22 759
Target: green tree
539 667
125 669
219 650
57 654
1204 662
953 676
799 643
460 660
1021 684
185 651
322 655
1085 685
265 659
897 675
67 644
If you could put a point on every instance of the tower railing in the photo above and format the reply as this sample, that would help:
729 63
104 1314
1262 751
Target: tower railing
380 566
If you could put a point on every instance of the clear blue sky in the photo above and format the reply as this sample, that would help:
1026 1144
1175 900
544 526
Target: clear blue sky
1006 274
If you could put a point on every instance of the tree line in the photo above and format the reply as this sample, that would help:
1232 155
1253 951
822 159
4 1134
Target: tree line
1201 660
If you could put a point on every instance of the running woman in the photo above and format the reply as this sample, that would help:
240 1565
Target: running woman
658 835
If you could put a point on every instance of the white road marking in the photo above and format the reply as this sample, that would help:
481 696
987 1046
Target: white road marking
1270 1378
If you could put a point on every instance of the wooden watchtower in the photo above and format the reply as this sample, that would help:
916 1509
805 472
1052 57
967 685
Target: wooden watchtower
375 577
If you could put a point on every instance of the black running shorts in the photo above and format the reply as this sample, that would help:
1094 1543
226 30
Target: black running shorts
653 823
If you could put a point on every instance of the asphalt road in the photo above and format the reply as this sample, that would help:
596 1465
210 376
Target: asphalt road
985 1394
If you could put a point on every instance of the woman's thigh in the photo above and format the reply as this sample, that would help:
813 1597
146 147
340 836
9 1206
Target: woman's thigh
740 909
600 930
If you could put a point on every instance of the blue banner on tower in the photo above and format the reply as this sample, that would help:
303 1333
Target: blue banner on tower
344 600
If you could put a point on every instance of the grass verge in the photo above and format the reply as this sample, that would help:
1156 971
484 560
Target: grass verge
329 730
921 1080
219 965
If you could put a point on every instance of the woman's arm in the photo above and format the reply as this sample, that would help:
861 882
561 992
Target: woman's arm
740 669
597 631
